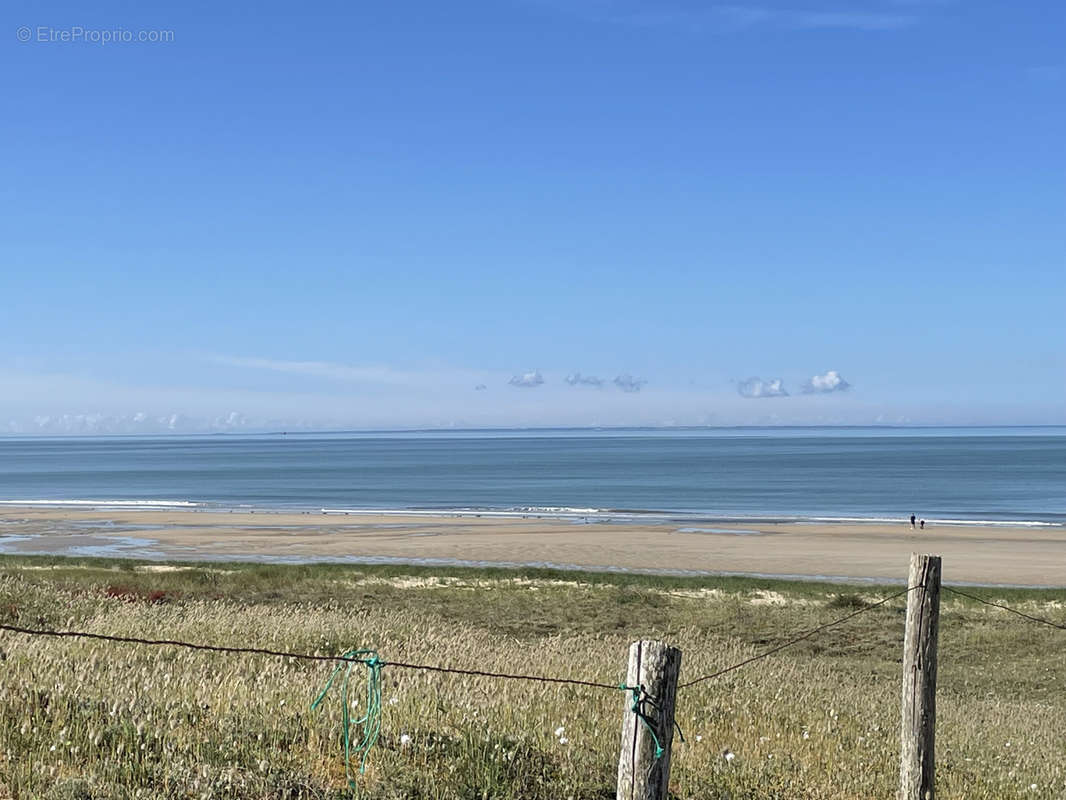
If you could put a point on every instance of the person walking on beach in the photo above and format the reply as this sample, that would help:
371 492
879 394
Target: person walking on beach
912 520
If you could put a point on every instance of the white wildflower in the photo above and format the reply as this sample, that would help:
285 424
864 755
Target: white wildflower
405 740
560 731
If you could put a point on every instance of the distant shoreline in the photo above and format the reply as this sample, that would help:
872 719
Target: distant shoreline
531 430
838 551
589 515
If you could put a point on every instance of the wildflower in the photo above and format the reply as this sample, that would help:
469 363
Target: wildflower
405 740
393 700
806 735
560 731
728 754
699 738
563 740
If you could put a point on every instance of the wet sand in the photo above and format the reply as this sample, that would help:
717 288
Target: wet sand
1020 556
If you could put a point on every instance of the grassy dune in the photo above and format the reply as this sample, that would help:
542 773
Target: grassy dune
80 719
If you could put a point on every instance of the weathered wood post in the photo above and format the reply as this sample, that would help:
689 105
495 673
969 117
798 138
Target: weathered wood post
644 774
917 753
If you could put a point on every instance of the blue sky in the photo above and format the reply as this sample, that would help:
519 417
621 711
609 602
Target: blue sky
353 215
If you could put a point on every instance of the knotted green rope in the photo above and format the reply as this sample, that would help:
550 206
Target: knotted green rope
640 697
371 720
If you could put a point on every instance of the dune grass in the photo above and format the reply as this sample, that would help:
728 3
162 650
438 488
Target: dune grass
83 719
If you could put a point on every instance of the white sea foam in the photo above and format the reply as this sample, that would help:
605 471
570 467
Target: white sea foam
1000 523
565 512
518 512
103 503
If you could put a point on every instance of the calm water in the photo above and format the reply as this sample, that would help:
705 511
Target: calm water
1009 474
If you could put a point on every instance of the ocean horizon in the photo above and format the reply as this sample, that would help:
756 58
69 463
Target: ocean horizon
991 475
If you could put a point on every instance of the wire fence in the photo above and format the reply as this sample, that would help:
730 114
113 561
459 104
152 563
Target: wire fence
432 667
994 604
371 659
505 675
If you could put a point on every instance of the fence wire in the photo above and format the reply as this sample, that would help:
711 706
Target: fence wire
994 604
432 667
796 640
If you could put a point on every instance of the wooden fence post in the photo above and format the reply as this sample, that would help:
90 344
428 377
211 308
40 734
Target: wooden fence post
642 774
917 753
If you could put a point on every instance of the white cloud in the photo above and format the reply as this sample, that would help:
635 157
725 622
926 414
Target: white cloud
139 422
824 384
527 380
627 383
753 388
577 379
235 419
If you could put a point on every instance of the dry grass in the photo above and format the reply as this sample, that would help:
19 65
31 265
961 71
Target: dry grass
91 720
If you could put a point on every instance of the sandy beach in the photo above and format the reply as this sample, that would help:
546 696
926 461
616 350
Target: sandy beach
972 554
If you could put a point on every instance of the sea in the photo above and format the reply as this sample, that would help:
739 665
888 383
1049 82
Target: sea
994 476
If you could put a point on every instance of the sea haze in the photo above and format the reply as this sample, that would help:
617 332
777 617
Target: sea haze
966 474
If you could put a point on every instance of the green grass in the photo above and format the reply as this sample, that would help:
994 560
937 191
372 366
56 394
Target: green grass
83 719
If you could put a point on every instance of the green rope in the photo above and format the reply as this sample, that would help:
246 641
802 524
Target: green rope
640 698
371 720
